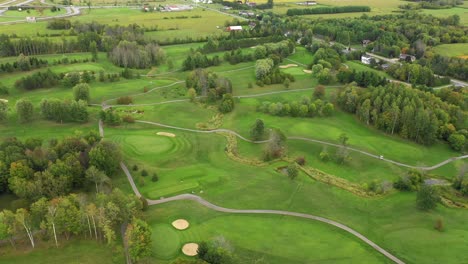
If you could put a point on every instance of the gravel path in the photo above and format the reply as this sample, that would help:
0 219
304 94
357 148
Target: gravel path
207 204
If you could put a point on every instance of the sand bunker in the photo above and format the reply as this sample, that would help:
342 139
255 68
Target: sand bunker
307 71
165 134
180 224
464 57
190 249
288 66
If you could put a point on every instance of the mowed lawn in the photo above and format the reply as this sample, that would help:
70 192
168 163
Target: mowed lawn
290 240
453 50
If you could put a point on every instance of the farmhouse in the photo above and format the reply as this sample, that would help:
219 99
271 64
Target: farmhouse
366 59
234 28
406 57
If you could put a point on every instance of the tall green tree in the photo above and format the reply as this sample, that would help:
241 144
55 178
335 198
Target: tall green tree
24 109
427 197
81 92
105 156
138 237
258 130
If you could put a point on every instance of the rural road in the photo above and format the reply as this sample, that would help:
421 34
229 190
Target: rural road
209 205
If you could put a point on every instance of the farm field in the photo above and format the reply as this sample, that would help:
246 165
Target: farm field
453 50
461 12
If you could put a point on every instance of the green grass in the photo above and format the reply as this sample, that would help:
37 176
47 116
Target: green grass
290 240
452 50
74 251
461 12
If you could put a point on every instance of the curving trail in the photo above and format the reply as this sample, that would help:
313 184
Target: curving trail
428 168
204 131
207 204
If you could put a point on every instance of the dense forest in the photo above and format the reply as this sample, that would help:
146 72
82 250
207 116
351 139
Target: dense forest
413 114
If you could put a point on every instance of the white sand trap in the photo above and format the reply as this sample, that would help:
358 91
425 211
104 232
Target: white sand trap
307 71
190 249
180 224
165 134
4 100
288 66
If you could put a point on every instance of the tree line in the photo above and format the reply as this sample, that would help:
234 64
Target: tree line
327 10
307 107
413 114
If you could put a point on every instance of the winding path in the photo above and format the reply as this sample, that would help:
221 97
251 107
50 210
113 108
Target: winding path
427 168
214 207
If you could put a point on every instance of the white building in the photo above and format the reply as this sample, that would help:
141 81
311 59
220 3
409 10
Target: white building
366 59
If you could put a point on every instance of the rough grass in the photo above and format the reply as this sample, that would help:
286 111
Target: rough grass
75 251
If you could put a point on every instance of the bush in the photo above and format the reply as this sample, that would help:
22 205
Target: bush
125 100
135 167
324 156
427 198
144 203
154 178
301 161
439 225
128 119
293 171
144 173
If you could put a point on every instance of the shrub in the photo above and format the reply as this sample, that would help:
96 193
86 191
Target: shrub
144 203
155 177
439 225
135 167
128 119
293 171
144 173
301 161
324 156
125 100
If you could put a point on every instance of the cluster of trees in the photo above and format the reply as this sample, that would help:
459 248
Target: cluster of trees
433 4
23 63
460 183
454 95
59 23
327 10
79 215
198 60
362 79
72 79
215 253
267 72
413 114
110 117
64 110
38 80
130 54
416 74
31 170
276 146
304 108
446 66
232 43
207 83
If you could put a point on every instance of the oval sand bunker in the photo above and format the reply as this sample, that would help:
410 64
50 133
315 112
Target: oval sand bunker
180 224
190 249
165 134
